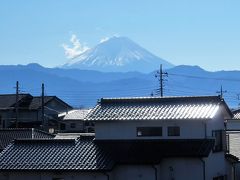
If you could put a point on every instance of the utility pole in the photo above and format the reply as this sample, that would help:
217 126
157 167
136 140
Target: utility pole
160 75
238 98
43 121
16 104
221 92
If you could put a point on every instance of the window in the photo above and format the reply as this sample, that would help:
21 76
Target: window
173 131
218 134
149 131
73 125
62 126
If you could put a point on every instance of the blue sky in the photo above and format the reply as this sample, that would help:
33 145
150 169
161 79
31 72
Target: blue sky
192 32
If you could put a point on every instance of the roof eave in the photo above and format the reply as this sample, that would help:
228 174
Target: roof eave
112 120
57 170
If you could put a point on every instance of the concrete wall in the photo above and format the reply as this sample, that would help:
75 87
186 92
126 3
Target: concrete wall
217 123
127 129
133 172
79 126
237 171
189 129
181 169
231 170
216 165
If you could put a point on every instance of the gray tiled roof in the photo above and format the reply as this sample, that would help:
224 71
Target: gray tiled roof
36 102
79 114
26 101
156 108
236 114
9 100
91 155
8 135
55 154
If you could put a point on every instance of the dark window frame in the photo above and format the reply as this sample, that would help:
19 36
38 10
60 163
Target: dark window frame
219 144
173 130
149 131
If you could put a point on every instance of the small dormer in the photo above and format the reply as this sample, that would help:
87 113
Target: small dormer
158 117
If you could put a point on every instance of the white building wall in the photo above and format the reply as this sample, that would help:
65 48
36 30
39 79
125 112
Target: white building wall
26 177
181 169
133 172
216 165
3 177
237 171
230 170
189 129
78 126
87 176
217 123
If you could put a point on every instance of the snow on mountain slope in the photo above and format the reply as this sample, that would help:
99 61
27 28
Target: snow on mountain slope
117 54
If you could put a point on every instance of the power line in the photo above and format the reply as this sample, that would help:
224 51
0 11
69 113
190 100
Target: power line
203 77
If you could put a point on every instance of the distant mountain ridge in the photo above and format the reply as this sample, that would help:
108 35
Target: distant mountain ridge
117 54
85 87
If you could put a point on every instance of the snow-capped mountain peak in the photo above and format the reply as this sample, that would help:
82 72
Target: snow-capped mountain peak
117 54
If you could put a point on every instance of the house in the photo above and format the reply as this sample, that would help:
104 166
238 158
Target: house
27 111
234 122
233 137
73 121
152 138
8 135
8 108
170 119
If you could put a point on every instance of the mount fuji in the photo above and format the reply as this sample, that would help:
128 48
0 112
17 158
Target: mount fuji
117 54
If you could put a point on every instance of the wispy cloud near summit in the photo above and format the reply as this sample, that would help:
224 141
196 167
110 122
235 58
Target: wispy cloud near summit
104 39
75 49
